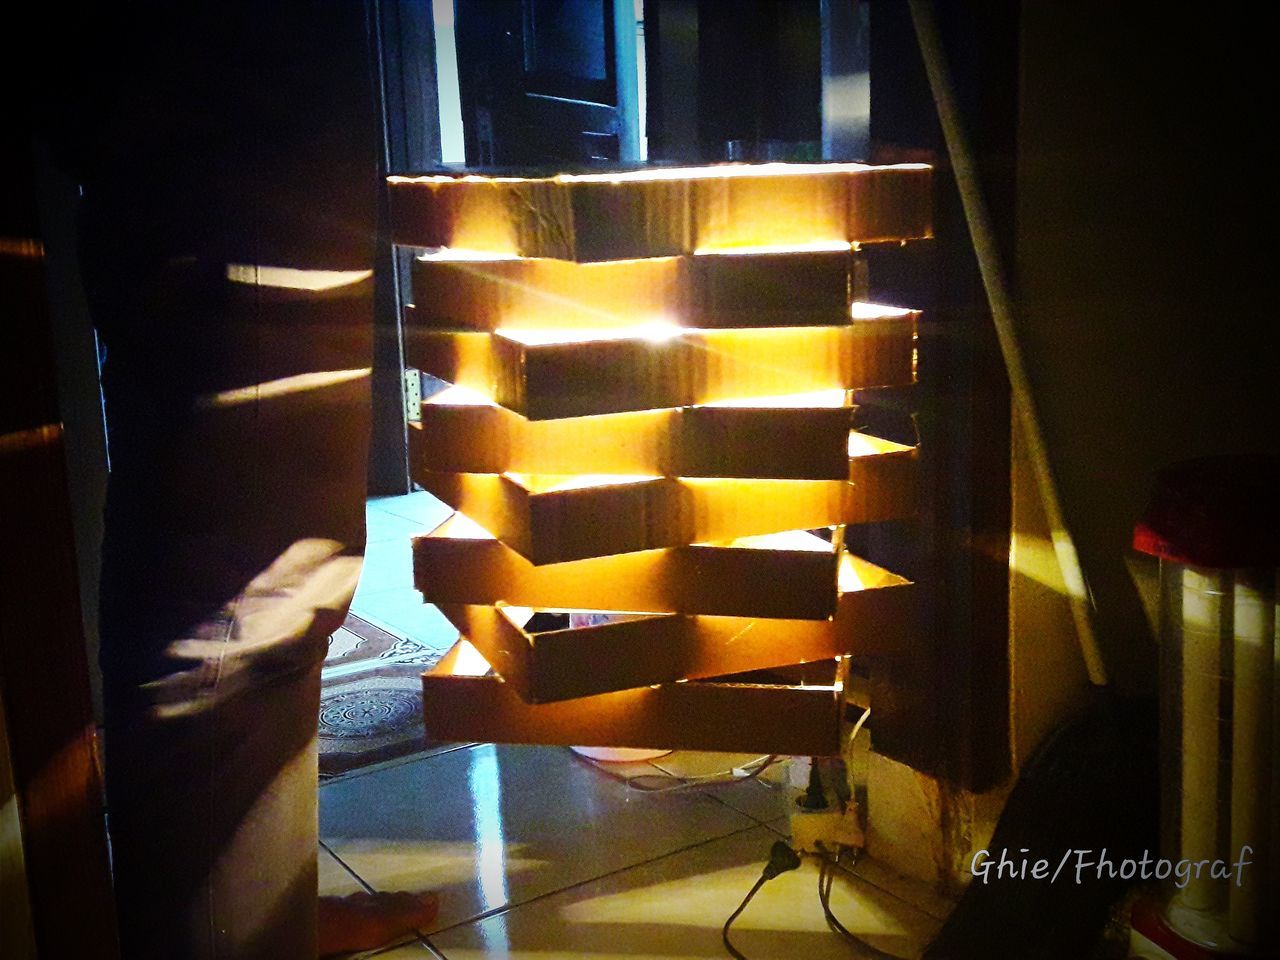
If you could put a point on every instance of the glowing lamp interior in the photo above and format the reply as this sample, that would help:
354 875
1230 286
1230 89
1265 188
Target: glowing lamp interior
831 399
787 540
774 345
556 483
876 311
865 445
462 255
467 661
812 246
461 527
658 331
455 396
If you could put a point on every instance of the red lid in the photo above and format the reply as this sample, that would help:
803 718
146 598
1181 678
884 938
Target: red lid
1214 512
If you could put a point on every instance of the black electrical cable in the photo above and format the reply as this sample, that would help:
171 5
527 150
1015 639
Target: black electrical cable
826 880
781 859
724 932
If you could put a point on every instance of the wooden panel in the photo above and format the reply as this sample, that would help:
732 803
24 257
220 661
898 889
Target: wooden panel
551 519
770 210
895 203
668 367
789 575
884 476
555 217
610 218
473 293
633 651
770 289
803 443
478 294
466 213
659 213
44 673
699 715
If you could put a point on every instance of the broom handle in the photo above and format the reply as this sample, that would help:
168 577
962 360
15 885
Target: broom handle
993 279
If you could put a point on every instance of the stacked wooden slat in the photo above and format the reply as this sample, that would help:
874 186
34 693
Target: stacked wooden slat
648 442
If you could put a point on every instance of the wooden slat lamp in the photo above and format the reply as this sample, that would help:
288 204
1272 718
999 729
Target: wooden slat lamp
651 421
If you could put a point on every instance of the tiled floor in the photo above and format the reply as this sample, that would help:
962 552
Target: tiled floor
385 596
538 853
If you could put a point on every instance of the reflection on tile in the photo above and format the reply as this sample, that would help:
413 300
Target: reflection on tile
620 770
674 908
404 613
493 825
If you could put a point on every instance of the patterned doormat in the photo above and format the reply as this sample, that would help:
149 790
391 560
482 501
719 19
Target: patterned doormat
371 698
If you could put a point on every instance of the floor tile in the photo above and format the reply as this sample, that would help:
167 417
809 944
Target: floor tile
764 797
674 908
915 892
335 879
388 564
381 525
421 507
404 613
491 825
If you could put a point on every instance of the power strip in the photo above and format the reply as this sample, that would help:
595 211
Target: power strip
831 828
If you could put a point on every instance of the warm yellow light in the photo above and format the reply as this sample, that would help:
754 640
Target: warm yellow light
519 616
22 248
723 171
786 540
812 246
659 331
555 483
729 171
271 389
857 574
461 255
877 311
864 445
469 662
456 396
291 278
461 527
832 398
447 178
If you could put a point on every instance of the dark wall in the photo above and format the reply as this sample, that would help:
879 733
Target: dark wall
943 705
1144 264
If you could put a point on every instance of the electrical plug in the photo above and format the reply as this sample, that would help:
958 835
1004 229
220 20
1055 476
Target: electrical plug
781 859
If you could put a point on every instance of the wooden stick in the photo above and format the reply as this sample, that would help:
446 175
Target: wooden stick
993 279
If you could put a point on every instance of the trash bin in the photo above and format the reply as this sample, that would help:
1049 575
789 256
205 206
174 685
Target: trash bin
1212 524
